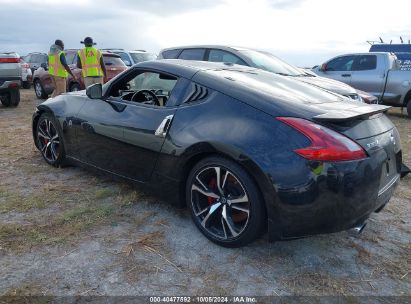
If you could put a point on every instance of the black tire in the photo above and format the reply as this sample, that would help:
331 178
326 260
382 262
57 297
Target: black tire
5 99
232 214
409 108
75 87
26 85
11 98
39 90
15 97
49 140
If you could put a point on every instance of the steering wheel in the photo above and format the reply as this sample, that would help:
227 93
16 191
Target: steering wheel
154 100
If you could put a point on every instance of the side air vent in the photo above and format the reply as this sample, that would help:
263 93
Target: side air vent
197 93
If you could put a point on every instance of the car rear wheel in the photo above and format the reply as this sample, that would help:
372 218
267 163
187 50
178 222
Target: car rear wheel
38 89
26 85
225 203
11 98
49 140
75 87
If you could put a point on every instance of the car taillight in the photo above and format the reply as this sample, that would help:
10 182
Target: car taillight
326 144
9 60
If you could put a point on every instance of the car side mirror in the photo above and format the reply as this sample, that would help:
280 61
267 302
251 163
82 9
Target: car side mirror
95 91
127 63
45 66
323 67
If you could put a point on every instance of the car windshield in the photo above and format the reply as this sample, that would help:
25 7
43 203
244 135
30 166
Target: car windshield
112 60
139 57
270 63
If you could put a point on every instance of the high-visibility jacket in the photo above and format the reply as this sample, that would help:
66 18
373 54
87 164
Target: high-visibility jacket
90 62
55 66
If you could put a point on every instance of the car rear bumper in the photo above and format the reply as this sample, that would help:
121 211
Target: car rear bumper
334 197
6 84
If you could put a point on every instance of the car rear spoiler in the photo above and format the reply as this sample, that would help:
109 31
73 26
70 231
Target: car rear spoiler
355 112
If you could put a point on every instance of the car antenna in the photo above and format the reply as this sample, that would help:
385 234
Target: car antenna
401 40
391 42
382 41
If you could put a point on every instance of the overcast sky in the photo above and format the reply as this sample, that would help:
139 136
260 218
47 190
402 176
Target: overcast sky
302 32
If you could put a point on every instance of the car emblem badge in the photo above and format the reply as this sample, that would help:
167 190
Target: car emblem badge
70 123
373 144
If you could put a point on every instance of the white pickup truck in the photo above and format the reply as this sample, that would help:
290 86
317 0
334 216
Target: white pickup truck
376 73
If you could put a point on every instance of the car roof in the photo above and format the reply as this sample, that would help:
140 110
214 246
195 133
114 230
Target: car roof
188 68
208 46
365 53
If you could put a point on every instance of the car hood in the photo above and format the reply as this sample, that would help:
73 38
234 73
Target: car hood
328 84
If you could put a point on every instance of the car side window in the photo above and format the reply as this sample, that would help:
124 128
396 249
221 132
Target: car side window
146 87
70 57
343 63
170 54
192 54
365 62
223 56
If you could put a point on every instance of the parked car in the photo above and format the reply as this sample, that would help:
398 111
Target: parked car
35 60
258 59
245 149
43 82
375 73
132 57
26 74
10 78
367 98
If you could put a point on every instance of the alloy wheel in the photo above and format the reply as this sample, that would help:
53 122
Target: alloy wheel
220 202
38 89
49 141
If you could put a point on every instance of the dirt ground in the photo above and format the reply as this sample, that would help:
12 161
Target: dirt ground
70 232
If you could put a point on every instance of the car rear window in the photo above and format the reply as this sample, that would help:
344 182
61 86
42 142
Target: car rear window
112 60
364 63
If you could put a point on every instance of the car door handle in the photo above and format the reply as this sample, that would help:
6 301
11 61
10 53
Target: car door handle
164 126
346 75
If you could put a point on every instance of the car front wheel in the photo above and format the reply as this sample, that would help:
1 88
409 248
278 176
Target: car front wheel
49 140
225 203
38 89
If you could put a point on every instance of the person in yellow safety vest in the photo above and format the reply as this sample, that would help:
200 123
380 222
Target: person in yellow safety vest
90 61
58 68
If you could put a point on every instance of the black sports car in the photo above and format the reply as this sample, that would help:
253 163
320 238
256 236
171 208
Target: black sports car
246 150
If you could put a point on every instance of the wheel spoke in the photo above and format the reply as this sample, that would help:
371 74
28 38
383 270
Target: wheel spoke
47 149
228 221
53 152
225 179
224 230
201 212
241 209
42 134
218 177
48 122
201 183
43 150
242 199
204 192
212 210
